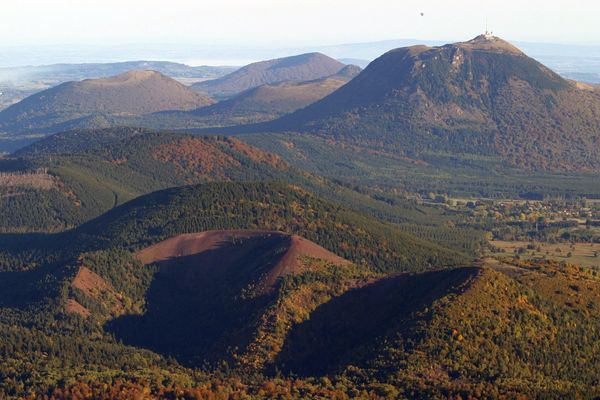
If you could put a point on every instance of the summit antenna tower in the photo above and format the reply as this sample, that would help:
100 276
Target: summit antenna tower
487 33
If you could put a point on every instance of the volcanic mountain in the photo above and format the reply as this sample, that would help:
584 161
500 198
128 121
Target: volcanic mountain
303 67
272 100
214 290
131 93
267 301
481 98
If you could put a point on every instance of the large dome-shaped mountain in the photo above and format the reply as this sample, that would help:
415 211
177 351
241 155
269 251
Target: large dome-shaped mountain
131 93
483 97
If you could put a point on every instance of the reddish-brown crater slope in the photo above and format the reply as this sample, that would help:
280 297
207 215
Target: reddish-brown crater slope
285 254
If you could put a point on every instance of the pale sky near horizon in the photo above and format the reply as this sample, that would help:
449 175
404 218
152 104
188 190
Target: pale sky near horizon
292 22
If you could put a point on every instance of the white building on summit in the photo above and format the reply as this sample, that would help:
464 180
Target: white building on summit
488 34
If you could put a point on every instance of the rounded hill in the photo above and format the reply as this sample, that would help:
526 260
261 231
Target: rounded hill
303 67
131 93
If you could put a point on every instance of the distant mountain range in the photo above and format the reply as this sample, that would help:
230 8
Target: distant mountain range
355 61
280 86
495 112
73 72
564 58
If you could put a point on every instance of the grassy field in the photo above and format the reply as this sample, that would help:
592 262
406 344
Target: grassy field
583 254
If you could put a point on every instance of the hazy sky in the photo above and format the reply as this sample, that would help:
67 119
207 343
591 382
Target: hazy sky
292 22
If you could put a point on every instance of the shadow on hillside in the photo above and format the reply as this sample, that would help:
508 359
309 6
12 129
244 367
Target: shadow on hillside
22 240
348 329
201 306
19 251
42 285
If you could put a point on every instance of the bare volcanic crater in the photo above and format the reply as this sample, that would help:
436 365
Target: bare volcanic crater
218 294
283 253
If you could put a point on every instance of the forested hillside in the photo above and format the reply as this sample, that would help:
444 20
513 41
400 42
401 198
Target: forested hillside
88 287
89 172
90 178
340 329
440 173
276 207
